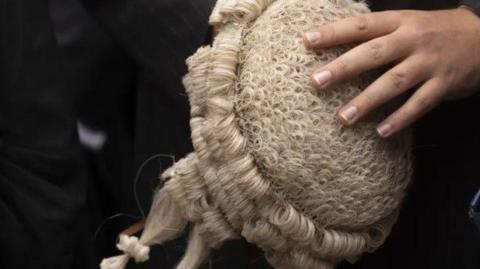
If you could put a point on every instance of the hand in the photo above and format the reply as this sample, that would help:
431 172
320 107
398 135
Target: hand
438 51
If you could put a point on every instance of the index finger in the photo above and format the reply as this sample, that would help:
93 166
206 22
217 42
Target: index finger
354 29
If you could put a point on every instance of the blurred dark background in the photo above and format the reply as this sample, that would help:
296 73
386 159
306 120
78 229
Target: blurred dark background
113 71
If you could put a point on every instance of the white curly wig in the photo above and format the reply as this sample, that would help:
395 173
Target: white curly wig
271 162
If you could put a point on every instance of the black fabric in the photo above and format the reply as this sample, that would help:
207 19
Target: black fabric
42 183
157 36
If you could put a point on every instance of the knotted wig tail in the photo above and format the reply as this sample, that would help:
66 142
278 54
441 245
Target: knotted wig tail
163 223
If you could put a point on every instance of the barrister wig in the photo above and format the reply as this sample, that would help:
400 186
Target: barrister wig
271 162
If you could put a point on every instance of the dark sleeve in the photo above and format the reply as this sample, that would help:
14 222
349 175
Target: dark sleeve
159 35
41 183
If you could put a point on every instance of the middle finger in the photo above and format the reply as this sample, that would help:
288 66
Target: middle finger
365 57
394 82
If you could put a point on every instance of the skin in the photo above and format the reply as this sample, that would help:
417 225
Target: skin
437 53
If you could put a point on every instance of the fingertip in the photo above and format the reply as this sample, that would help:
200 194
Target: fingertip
311 39
321 78
385 130
313 83
348 115
343 121
306 42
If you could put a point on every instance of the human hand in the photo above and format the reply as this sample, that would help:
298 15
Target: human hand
438 51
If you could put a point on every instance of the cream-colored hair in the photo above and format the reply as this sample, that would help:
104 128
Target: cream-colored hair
271 162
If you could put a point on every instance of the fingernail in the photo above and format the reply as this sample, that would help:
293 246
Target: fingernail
312 37
384 130
322 77
348 114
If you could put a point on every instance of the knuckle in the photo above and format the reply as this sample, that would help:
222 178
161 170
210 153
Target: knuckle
428 60
375 50
367 100
396 15
423 35
397 79
341 67
361 23
413 32
452 78
329 32
424 103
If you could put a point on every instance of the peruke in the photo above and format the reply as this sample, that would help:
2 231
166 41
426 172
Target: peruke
271 162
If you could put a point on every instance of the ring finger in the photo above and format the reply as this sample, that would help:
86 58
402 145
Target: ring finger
394 82
367 56
423 100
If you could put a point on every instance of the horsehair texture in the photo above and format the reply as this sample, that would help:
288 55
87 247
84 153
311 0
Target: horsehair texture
271 163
